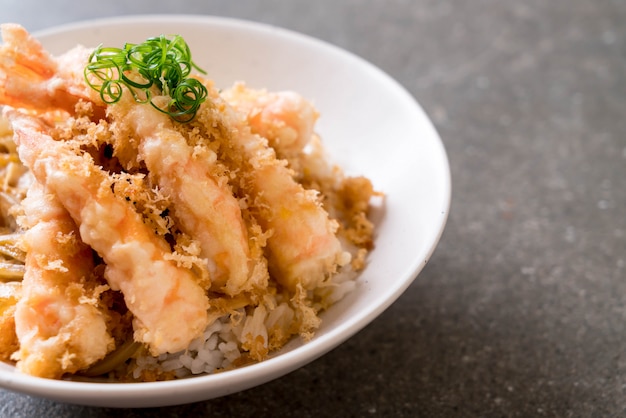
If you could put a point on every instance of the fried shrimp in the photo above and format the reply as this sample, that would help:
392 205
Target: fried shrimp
287 120
59 320
201 198
303 249
169 306
31 78
284 118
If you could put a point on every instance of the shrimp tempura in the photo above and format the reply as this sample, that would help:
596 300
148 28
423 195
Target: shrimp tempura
303 249
202 201
169 306
59 320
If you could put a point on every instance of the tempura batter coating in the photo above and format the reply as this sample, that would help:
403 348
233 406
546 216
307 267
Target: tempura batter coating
170 307
59 319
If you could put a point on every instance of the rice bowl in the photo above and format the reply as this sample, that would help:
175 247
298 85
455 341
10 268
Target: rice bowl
410 223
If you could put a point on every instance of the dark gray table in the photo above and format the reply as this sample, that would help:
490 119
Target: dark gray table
521 312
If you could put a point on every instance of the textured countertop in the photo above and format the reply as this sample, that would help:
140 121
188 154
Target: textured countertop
521 311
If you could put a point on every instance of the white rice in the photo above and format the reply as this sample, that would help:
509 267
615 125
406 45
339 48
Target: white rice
216 349
220 344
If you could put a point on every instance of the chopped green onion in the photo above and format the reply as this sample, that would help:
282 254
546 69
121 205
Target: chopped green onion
159 61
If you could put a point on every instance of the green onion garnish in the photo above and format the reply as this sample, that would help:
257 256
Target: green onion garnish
159 61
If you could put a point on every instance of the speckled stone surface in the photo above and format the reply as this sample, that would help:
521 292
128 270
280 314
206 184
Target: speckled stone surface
521 311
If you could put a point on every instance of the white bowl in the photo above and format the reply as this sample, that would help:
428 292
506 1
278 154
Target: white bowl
369 124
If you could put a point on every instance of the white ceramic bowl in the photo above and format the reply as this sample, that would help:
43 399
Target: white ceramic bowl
369 124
